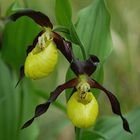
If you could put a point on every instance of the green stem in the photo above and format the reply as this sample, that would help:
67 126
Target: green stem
78 41
83 51
78 132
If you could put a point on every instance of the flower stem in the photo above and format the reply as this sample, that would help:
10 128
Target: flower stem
78 133
83 50
74 33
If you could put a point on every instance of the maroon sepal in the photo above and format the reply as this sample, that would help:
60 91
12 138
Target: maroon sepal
42 108
21 75
85 67
37 16
64 46
114 102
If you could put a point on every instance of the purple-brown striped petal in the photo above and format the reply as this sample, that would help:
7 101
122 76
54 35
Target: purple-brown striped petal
114 102
37 16
42 108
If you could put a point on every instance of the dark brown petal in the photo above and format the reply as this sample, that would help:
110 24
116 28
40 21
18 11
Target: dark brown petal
42 108
21 75
114 102
64 46
30 48
37 16
85 67
78 66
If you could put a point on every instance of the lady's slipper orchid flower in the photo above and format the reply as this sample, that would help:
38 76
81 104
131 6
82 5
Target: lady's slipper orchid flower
82 107
42 55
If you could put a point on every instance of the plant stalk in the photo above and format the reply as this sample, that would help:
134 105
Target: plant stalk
78 132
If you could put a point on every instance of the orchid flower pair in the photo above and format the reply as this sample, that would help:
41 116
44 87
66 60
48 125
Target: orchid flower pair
82 107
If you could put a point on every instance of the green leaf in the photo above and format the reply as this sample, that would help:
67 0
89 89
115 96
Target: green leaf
16 38
15 6
92 135
44 95
112 129
16 106
53 127
62 29
93 28
63 12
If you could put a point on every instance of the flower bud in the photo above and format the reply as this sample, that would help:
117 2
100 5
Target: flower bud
82 111
42 59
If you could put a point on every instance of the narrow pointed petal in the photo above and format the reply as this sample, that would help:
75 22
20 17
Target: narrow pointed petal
64 46
42 108
114 102
21 75
37 16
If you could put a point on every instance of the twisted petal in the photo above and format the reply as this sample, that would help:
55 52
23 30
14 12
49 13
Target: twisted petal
37 16
79 67
42 108
85 67
114 102
64 46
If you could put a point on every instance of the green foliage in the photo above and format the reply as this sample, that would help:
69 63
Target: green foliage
15 107
112 129
16 39
93 28
16 104
87 135
91 32
63 15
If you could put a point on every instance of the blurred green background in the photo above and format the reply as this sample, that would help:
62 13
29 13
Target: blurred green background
121 72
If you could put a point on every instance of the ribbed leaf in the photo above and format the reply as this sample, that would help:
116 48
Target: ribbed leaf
112 129
16 38
92 135
15 106
63 12
93 27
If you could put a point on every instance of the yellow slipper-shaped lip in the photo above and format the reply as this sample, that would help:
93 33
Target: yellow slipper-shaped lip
40 63
82 112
